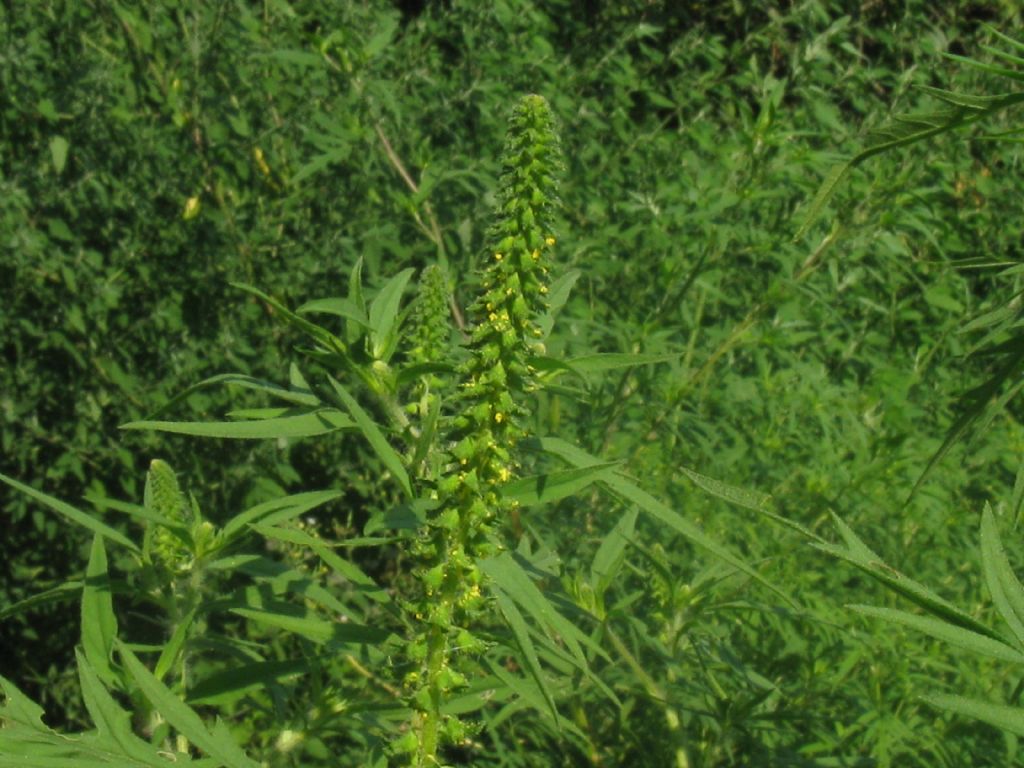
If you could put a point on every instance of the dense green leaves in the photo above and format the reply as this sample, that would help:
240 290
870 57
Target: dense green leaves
161 161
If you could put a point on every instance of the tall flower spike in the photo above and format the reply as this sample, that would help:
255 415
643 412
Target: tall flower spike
482 437
515 278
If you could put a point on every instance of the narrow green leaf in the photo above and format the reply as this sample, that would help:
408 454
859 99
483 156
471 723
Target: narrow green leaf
319 334
99 624
82 518
318 422
858 554
514 582
183 717
558 295
340 307
169 655
660 511
286 507
384 314
224 686
611 553
285 579
521 632
375 437
354 331
973 642
112 723
59 153
825 192
342 567
317 630
1005 718
552 486
297 395
1006 590
973 405
608 361
742 497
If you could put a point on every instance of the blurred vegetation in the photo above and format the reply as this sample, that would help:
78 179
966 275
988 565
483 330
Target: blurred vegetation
152 154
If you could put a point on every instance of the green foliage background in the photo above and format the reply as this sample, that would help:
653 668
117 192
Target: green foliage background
822 371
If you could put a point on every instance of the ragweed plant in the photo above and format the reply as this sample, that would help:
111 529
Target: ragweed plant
402 665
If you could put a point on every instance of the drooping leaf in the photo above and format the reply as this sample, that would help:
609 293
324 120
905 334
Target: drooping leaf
318 422
611 553
66 591
974 642
233 682
77 516
278 510
857 553
521 632
1005 718
317 630
552 486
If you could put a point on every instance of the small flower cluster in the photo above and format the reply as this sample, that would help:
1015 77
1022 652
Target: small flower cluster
484 433
163 496
428 324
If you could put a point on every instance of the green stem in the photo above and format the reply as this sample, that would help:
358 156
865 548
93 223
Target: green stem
430 723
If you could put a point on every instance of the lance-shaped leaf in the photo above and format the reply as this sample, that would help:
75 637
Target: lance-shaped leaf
99 624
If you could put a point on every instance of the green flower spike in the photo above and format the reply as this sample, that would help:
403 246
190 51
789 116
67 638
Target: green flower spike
165 547
461 530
